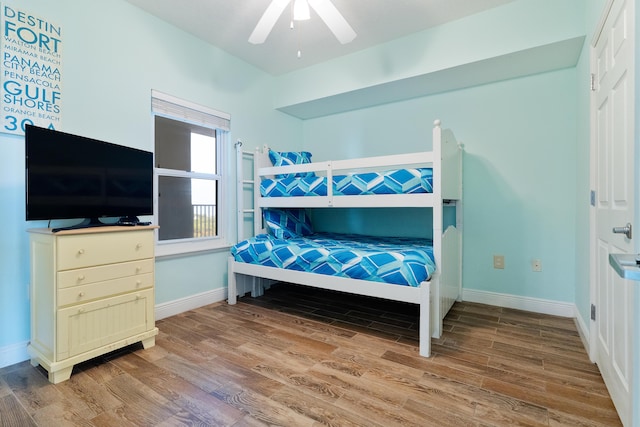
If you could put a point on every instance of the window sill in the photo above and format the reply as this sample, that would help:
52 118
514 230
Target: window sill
190 247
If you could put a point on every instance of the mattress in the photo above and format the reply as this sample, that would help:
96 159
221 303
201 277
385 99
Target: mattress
397 181
398 261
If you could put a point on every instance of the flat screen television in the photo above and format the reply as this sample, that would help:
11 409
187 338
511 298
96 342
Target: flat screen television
70 176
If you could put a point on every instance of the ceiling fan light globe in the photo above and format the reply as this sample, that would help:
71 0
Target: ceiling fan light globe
301 10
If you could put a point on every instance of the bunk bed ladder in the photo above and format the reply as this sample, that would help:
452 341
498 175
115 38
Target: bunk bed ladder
244 183
241 186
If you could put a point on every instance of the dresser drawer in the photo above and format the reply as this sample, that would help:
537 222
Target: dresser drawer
97 324
81 294
85 276
77 251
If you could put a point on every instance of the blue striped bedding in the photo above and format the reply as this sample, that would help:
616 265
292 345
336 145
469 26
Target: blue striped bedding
399 261
397 181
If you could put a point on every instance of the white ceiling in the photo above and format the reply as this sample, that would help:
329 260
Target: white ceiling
227 24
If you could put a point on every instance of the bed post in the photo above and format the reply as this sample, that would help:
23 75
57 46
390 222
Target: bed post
239 191
231 283
257 210
437 229
425 320
460 220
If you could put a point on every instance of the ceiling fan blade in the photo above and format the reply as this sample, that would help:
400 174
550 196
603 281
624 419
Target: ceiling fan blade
268 20
334 20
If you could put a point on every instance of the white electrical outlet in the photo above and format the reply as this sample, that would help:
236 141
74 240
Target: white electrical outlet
536 265
498 262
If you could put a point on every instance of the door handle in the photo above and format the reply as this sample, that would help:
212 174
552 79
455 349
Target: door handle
626 230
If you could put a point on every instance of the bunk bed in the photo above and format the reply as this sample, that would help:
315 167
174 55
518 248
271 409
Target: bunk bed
284 187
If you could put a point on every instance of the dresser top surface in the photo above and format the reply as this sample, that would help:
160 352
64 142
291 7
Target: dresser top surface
92 230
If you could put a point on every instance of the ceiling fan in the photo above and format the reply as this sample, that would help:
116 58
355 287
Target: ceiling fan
324 8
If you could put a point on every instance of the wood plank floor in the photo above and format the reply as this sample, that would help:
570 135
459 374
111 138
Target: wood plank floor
304 357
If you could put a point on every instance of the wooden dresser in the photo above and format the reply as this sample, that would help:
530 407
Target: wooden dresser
92 292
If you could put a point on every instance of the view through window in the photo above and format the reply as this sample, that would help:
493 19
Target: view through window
187 169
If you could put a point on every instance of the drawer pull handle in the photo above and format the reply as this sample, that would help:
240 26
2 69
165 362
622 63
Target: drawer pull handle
81 294
138 282
80 251
81 310
81 278
139 246
138 269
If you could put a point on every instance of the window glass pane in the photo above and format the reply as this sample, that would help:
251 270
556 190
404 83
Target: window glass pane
187 208
174 145
204 196
203 153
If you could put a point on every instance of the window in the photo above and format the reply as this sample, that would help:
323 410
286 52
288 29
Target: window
189 180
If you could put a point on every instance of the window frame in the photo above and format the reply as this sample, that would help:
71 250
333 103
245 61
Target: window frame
180 110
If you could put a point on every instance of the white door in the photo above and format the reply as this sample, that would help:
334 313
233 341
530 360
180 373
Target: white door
613 137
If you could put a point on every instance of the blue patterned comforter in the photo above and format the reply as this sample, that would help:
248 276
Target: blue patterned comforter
398 181
400 261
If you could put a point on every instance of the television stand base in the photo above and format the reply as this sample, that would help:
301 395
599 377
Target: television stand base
85 223
128 220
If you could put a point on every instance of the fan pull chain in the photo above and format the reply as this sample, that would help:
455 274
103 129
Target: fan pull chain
292 26
298 40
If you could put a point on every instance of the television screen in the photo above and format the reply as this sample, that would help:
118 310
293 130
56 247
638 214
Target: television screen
70 176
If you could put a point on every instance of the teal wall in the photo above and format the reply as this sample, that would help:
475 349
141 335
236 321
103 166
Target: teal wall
519 172
521 25
526 139
114 54
14 264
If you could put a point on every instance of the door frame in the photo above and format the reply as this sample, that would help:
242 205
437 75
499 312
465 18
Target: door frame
592 175
592 346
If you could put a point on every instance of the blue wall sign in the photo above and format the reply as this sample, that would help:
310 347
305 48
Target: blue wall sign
31 70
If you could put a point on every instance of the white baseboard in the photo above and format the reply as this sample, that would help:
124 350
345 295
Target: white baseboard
13 353
583 330
16 353
191 302
535 305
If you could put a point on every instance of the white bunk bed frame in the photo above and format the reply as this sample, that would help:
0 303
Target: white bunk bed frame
435 296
